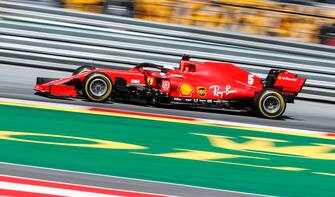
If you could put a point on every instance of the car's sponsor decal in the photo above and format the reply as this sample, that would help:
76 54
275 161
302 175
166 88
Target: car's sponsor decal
165 85
286 78
198 101
177 75
135 81
150 81
218 92
185 89
201 91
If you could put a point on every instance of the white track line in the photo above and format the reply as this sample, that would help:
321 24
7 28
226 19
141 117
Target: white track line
49 190
238 124
130 179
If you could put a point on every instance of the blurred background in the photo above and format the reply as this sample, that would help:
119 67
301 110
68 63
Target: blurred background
304 20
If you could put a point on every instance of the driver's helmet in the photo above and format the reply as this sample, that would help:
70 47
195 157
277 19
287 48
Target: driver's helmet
185 57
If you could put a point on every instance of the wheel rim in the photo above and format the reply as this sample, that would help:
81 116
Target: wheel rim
98 87
271 104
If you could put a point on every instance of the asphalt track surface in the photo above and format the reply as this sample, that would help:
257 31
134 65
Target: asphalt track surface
18 82
114 182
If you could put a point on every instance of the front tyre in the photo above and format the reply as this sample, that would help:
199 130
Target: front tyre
97 87
270 104
83 69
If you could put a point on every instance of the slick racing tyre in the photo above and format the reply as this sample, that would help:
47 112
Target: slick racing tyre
97 87
270 104
82 69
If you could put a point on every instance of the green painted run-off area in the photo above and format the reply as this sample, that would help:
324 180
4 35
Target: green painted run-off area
208 156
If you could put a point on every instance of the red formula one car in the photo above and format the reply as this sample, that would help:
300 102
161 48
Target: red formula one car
207 84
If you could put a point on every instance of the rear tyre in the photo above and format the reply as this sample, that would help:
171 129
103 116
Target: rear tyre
82 69
97 87
270 104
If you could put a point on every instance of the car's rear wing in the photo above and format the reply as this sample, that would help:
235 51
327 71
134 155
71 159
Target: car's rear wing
287 83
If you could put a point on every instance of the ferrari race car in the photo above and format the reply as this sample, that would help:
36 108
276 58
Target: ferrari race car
207 84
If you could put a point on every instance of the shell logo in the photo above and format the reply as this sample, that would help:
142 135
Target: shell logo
185 89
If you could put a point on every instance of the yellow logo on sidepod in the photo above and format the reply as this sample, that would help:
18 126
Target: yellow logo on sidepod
185 89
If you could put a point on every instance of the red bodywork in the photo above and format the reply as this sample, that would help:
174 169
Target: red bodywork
191 81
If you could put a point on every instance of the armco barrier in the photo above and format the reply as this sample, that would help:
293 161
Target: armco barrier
133 24
57 39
